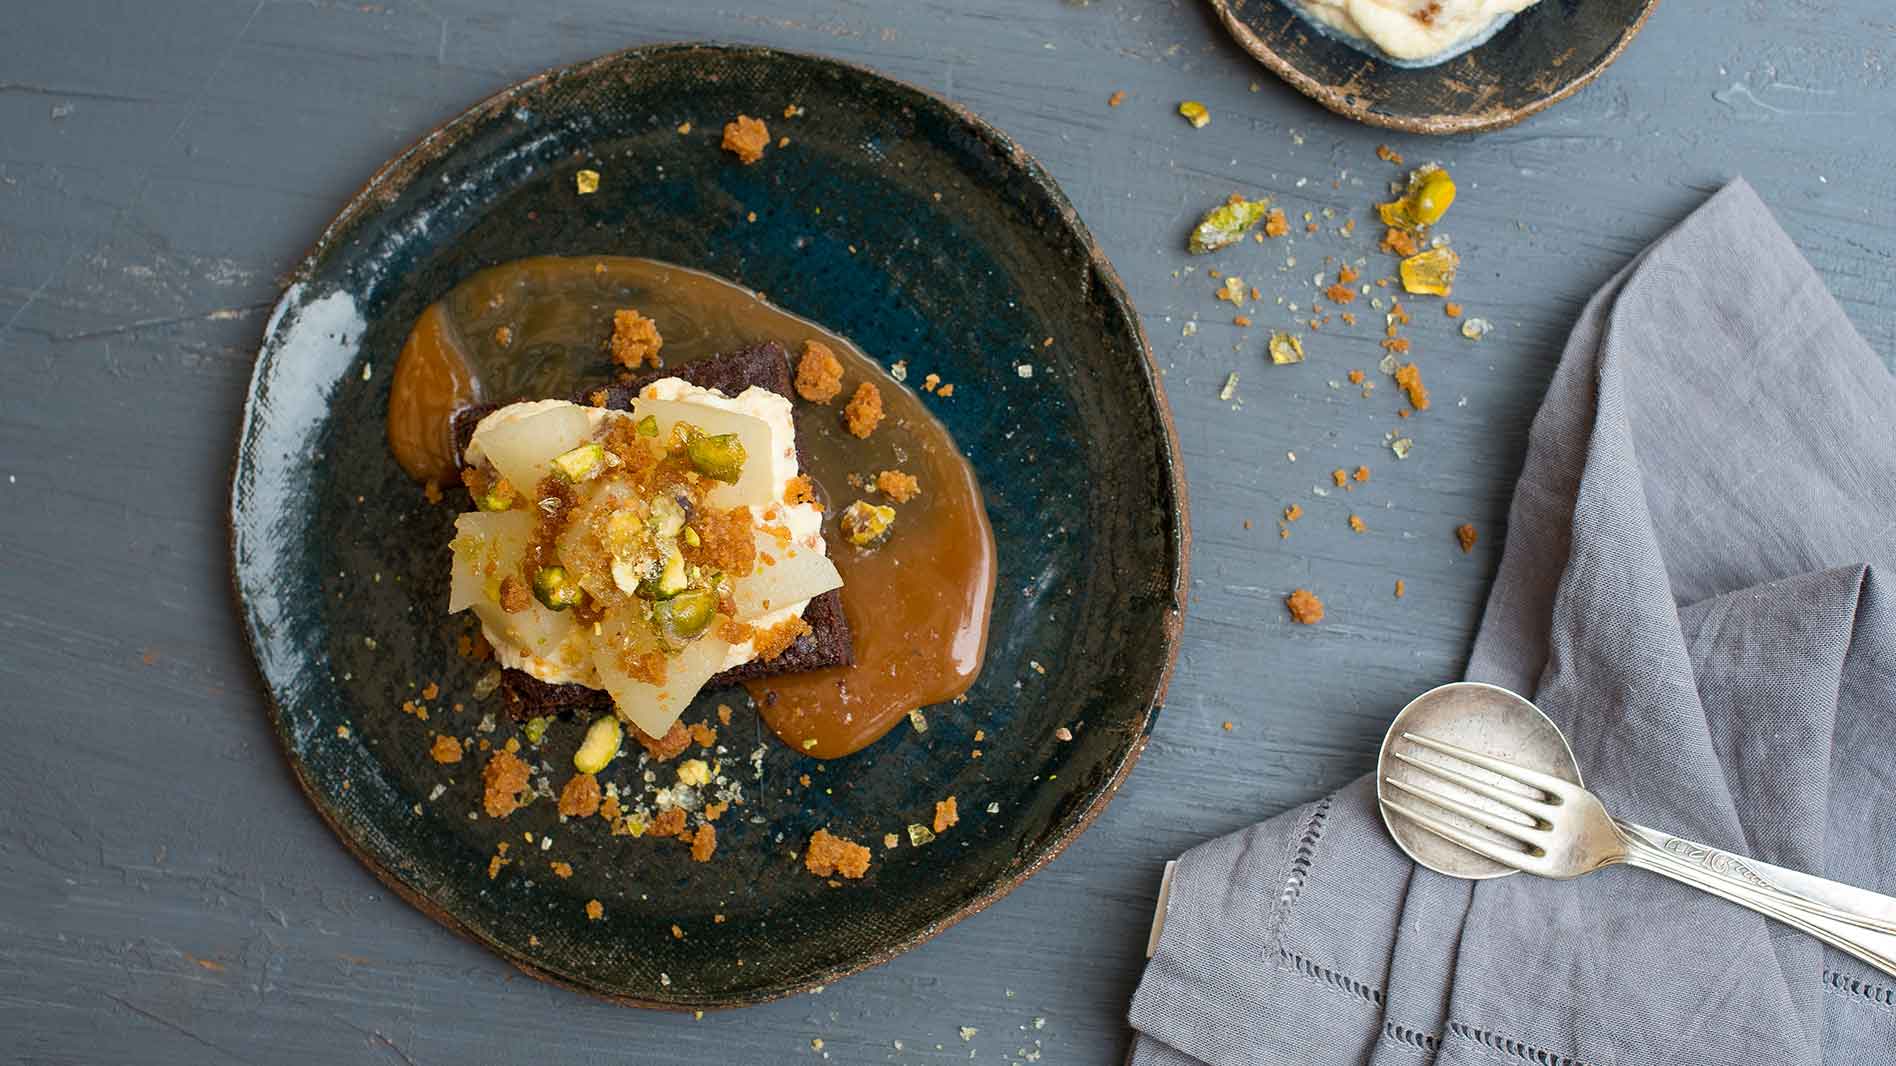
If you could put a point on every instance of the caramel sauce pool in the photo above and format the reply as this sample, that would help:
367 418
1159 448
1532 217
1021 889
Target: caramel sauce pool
917 606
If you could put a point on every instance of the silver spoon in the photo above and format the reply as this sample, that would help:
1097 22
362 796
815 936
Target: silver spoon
1474 781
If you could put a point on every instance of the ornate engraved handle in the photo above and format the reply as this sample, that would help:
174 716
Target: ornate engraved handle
1848 918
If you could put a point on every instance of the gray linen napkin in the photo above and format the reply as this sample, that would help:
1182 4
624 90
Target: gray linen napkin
1699 586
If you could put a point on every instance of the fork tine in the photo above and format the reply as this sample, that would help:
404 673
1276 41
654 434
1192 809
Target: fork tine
1485 848
1525 804
1552 786
1526 834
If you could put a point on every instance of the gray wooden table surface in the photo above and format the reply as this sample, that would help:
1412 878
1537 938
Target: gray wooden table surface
167 896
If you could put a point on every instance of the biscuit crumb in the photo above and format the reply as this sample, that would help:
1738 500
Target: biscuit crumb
1399 242
562 870
1388 155
503 781
1361 474
1276 224
514 596
724 714
798 490
703 735
1465 535
1410 379
946 814
1356 524
900 487
635 339
1305 608
446 749
581 796
864 411
829 854
1118 97
595 910
1400 588
1452 309
819 373
667 747
746 137
1293 512
669 823
776 640
704 844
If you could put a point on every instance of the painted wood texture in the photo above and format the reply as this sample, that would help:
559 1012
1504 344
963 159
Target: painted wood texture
168 895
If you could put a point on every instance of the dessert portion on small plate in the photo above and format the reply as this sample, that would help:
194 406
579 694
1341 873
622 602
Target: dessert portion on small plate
1412 33
1435 66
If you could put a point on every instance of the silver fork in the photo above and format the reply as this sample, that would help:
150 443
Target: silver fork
1543 825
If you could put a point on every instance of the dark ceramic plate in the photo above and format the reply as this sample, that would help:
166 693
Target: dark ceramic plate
1542 56
938 239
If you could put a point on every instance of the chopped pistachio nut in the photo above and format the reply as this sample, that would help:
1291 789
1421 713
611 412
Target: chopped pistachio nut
581 462
694 772
1230 387
864 523
1430 273
919 834
1423 204
686 614
1401 446
600 746
1476 328
918 720
1286 349
1195 113
498 497
536 728
720 458
647 426
1226 224
555 590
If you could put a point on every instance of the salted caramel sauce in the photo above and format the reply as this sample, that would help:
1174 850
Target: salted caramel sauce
917 605
432 381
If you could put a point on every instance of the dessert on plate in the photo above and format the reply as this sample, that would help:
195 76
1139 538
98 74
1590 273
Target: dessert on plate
1416 33
668 521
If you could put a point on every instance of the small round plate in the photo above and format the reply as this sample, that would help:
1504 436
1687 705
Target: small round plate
890 215
1483 718
1542 56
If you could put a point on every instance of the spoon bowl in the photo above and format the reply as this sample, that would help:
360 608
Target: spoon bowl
1485 718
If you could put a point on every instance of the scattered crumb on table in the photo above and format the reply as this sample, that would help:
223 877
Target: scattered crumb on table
1305 607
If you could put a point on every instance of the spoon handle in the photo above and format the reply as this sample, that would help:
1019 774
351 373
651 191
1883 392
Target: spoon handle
1851 919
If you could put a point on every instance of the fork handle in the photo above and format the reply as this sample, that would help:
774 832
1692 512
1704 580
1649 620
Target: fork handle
1850 919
